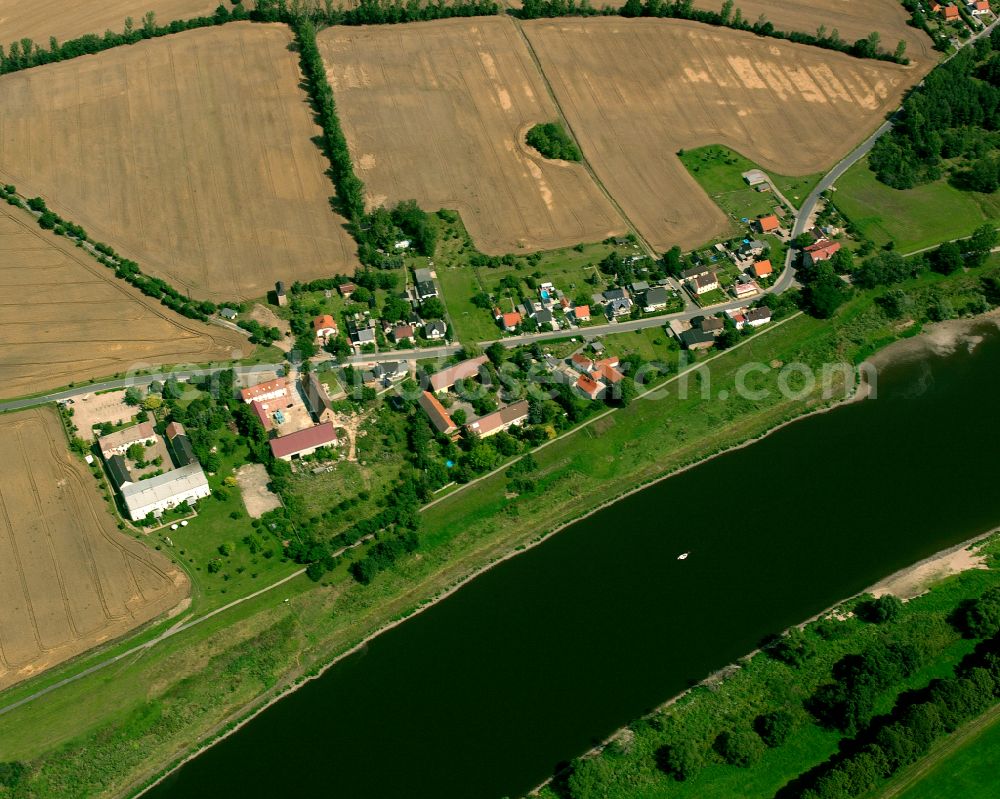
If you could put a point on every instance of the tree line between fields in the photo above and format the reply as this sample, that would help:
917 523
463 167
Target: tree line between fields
862 696
949 126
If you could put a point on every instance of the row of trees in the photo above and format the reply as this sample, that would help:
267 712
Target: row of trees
25 53
370 12
953 116
728 17
125 268
918 719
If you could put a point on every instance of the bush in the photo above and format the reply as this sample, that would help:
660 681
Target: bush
740 748
681 760
553 142
774 727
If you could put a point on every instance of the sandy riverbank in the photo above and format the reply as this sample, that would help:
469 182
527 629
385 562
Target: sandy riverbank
918 578
940 338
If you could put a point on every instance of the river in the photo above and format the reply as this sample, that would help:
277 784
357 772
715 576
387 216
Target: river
536 660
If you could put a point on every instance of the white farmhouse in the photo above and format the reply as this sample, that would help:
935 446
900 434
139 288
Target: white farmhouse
165 491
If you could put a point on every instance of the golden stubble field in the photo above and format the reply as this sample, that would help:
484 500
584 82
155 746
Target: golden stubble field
852 19
38 20
193 154
65 318
438 111
635 92
68 579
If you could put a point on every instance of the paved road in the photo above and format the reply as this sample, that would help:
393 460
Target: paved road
125 382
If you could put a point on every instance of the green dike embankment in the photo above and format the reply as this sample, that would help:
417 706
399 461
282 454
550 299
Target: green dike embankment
112 732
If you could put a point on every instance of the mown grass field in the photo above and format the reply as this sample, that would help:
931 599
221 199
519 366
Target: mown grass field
965 767
914 218
106 733
719 171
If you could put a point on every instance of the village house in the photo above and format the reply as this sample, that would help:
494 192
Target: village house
303 442
619 306
745 288
581 313
581 363
543 317
713 325
446 378
324 327
697 339
508 321
705 283
655 299
503 419
761 269
180 444
756 317
426 289
949 12
435 330
978 8
590 388
164 491
822 250
390 372
266 392
347 289
607 369
738 317
229 314
403 334
694 271
362 335
768 224
437 413
752 248
317 399
118 443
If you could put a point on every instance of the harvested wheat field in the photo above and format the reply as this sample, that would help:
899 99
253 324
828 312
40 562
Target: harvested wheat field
852 19
41 19
68 579
192 154
65 318
437 111
637 91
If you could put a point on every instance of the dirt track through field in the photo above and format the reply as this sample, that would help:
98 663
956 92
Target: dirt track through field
68 579
64 318
438 111
40 19
193 154
635 92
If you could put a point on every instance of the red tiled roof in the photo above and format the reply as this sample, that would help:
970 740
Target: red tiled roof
174 429
768 223
262 414
310 438
588 385
460 371
439 417
582 312
492 422
324 321
763 268
512 319
250 394
823 249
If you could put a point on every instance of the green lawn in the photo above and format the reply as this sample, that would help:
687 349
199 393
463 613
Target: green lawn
970 771
651 344
459 284
914 218
719 171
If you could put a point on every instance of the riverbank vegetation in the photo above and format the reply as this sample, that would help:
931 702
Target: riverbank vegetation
110 732
828 710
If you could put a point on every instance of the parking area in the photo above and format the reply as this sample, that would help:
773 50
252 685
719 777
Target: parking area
92 409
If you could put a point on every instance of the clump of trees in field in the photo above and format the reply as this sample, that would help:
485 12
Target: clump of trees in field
552 141
949 124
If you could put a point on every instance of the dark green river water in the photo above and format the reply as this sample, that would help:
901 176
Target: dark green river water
530 664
